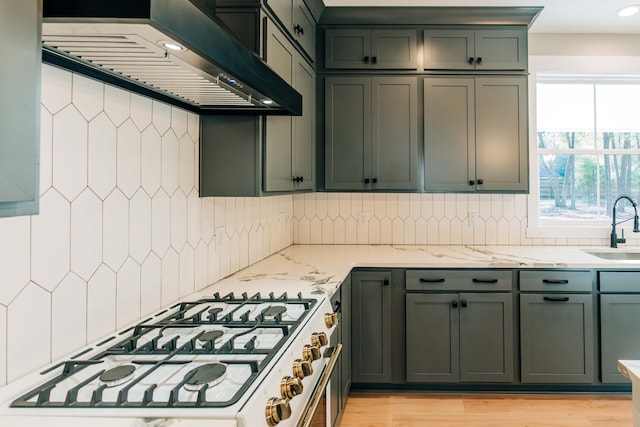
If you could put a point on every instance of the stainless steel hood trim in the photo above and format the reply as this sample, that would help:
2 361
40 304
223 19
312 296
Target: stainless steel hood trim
123 40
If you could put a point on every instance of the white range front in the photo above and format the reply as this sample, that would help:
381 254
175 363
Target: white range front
219 358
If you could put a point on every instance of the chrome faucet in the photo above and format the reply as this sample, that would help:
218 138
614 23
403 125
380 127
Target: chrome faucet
614 236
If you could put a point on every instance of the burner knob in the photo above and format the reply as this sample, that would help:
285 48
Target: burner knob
330 319
310 352
277 409
290 387
319 339
302 368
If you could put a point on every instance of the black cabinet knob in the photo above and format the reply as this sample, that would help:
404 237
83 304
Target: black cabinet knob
385 282
479 60
366 59
454 304
375 180
470 61
374 60
463 303
472 182
480 182
298 29
367 180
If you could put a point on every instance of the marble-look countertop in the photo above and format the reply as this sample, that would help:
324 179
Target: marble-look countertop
319 269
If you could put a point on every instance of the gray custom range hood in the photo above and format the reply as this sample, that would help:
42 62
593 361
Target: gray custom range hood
129 42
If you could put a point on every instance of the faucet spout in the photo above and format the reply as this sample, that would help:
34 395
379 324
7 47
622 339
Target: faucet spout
614 240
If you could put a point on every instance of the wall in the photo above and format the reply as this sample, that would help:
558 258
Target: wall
407 219
121 230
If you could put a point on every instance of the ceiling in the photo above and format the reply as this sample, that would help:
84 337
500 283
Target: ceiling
558 16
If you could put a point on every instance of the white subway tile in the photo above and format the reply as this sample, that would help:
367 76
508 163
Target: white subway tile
187 273
170 162
421 231
427 206
128 293
86 234
244 252
115 230
179 121
386 231
15 247
46 147
321 205
161 116
193 125
333 205
462 206
170 277
485 206
351 227
140 226
444 231
521 206
379 206
28 343
304 231
234 252
316 231
69 152
403 206
160 223
194 218
374 231
456 231
87 95
150 285
327 231
128 158
56 88
515 231
433 229
491 231
117 104
496 206
213 262
178 220
415 206
479 233
362 233
391 205
309 205
68 316
345 205
151 160
102 156
101 303
141 112
208 222
339 231
230 215
508 206
187 161
450 205
503 231
50 240
438 206
409 231
397 231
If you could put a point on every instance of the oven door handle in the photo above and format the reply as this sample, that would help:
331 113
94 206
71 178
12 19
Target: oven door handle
312 406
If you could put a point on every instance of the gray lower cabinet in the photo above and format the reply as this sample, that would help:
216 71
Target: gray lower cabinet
459 337
341 377
619 322
393 49
475 134
503 48
371 321
557 338
371 133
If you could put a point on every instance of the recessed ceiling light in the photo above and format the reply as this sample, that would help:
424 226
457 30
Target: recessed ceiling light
267 101
173 46
628 10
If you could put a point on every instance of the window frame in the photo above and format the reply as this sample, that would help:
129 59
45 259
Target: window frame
611 68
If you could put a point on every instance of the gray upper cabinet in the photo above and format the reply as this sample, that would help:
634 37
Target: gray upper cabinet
290 141
298 21
475 134
20 108
371 138
371 49
492 49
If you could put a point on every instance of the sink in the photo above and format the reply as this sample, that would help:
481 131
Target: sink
616 256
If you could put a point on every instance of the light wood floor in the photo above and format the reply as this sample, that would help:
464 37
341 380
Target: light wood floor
486 410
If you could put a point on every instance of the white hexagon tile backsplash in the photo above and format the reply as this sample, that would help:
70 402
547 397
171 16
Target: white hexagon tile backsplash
121 230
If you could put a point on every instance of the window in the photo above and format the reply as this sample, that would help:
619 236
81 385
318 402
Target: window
587 147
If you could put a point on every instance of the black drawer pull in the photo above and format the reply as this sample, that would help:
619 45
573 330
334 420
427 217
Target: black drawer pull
485 280
431 280
385 282
556 299
555 282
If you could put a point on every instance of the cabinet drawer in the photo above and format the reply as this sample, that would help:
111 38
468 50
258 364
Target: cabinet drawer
556 281
619 281
459 280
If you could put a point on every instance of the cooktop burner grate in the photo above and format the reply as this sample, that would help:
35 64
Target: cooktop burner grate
204 353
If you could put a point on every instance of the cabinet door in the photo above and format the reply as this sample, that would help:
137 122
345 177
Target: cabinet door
433 345
448 50
304 28
283 9
501 49
501 134
304 127
556 338
371 317
449 134
620 334
347 132
347 49
394 143
486 337
394 49
278 135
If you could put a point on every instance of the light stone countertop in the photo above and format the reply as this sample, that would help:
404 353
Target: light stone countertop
319 269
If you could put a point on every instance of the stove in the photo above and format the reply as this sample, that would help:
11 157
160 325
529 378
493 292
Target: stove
223 357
